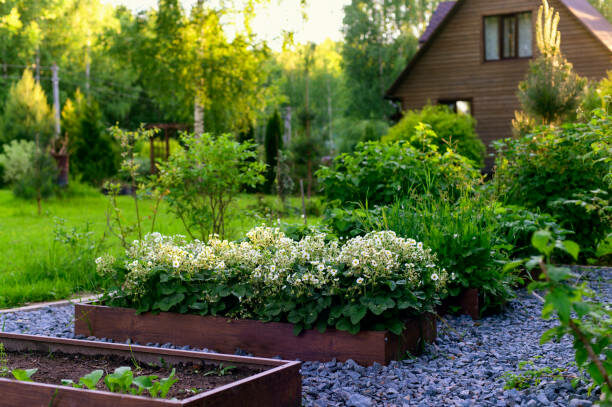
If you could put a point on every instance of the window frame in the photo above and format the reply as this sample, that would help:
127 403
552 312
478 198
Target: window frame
500 36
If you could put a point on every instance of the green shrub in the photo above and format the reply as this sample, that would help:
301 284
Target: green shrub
464 237
564 172
350 132
516 225
371 282
29 170
93 152
377 173
551 91
454 130
203 179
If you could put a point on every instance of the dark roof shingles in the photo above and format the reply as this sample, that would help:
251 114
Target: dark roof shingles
436 18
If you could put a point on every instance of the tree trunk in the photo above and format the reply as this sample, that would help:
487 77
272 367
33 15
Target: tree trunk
198 118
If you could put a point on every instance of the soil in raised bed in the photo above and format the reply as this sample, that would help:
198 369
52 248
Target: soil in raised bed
53 367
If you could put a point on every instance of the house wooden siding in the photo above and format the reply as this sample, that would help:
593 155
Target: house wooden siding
453 66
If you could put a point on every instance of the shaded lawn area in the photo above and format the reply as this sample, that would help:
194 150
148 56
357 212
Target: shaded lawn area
37 264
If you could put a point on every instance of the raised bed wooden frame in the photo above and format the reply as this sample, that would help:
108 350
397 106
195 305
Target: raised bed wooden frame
280 385
261 339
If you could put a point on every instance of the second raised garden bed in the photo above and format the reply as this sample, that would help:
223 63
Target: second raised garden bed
261 339
244 382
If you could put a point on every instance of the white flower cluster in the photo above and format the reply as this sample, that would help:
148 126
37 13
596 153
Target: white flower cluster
269 258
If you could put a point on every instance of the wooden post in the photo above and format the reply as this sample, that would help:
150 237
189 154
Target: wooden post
303 203
152 155
167 143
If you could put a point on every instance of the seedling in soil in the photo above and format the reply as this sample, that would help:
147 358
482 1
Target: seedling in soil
220 371
24 375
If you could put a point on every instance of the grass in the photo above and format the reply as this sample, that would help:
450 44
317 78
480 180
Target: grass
51 256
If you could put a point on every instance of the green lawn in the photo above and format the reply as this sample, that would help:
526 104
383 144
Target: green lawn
34 266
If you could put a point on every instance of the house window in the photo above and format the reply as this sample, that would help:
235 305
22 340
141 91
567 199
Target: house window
458 106
508 36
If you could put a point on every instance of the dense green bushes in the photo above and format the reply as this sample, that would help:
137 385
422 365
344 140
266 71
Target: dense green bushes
94 156
565 172
464 235
377 173
453 130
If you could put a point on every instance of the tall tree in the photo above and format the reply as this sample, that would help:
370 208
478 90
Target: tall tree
273 143
27 116
379 39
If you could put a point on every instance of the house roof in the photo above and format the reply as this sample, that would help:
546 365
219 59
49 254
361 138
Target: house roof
592 20
436 18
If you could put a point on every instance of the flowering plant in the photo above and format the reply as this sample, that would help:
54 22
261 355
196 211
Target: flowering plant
370 282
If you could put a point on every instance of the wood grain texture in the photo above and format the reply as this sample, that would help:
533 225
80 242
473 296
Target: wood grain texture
279 385
261 339
451 65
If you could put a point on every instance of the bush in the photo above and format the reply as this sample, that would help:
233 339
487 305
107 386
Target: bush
93 154
551 91
350 131
516 225
464 237
564 172
453 130
203 179
371 282
377 173
29 170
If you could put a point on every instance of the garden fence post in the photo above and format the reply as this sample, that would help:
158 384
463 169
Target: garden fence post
56 100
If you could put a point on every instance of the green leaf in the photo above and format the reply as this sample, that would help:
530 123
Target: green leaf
144 382
581 355
343 324
540 240
571 248
321 325
273 309
168 302
595 373
294 317
356 312
67 382
167 383
396 326
24 375
561 302
90 380
297 329
512 265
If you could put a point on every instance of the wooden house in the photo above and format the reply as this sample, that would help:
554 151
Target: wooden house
474 53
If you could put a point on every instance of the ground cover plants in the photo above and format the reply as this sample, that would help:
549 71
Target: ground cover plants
372 282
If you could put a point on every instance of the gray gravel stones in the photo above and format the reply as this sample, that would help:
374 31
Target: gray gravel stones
464 367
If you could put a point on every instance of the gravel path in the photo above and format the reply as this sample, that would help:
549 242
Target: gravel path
463 368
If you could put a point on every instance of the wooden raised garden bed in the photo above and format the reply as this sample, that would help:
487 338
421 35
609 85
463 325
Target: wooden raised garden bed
261 339
466 303
251 381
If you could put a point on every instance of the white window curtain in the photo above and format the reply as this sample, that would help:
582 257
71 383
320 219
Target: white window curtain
491 38
525 35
